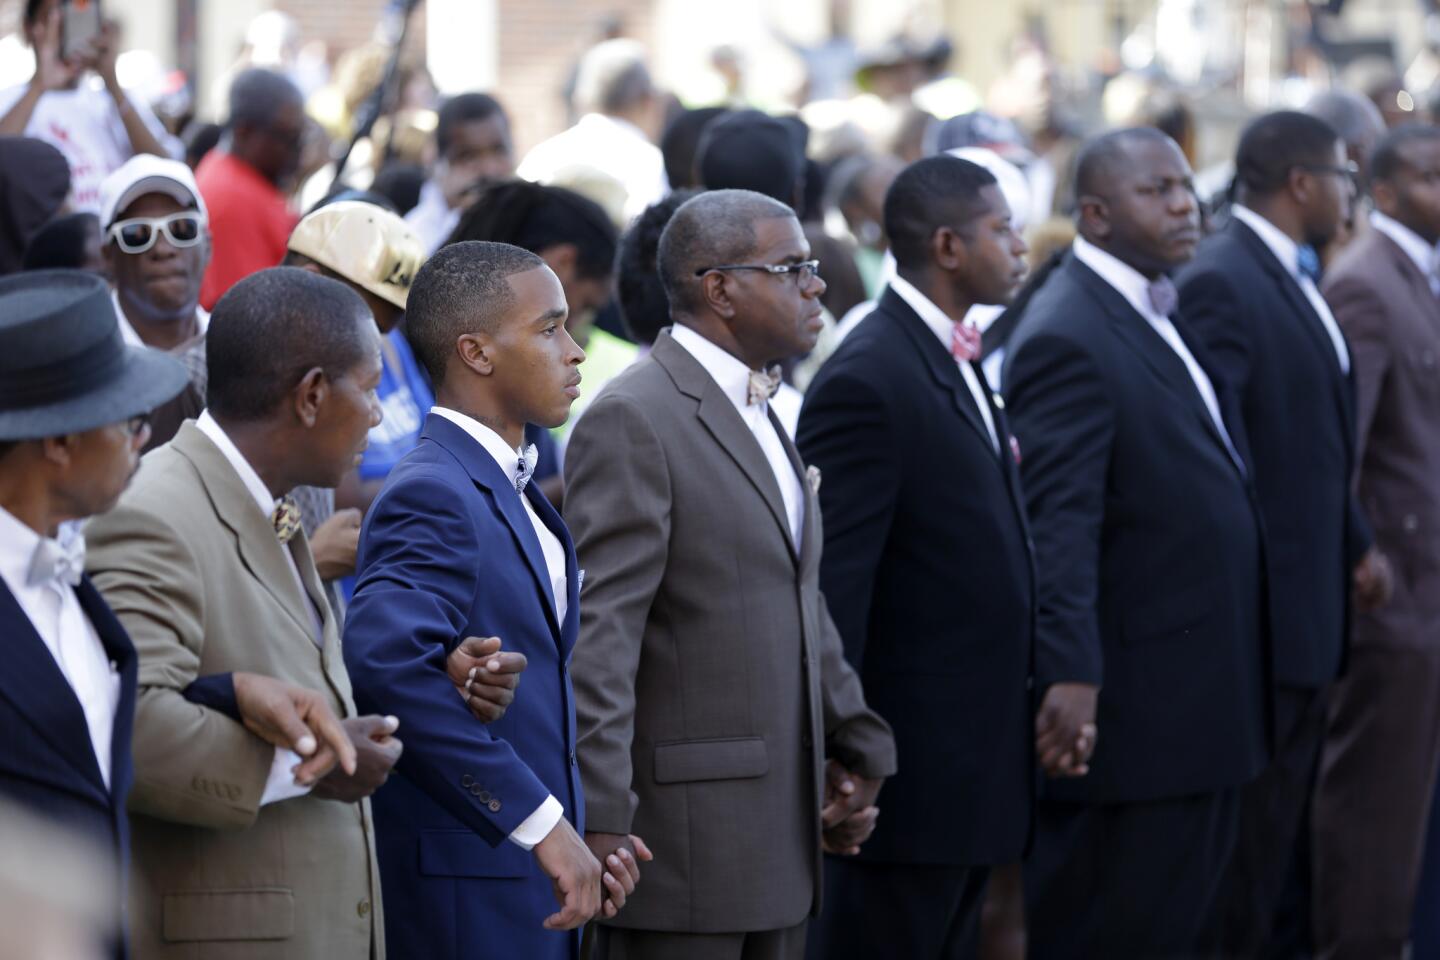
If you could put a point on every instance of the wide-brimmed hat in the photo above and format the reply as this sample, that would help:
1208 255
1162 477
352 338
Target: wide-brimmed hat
369 246
63 365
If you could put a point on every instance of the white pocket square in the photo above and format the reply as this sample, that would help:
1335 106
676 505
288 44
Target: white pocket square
812 477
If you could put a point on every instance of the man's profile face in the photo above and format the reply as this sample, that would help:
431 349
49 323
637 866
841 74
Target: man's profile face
102 463
777 315
536 361
995 265
164 281
1417 185
350 410
1329 207
479 153
1153 214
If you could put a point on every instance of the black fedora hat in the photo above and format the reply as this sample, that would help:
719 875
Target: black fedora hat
63 365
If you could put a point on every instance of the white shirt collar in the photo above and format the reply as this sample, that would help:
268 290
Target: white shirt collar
258 491
507 457
17 547
1127 281
132 339
1415 248
1286 250
936 319
729 372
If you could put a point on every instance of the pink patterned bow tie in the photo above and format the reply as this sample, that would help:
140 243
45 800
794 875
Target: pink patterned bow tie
1163 296
965 341
763 385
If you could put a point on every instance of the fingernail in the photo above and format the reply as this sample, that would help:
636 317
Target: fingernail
493 666
305 745
472 672
393 722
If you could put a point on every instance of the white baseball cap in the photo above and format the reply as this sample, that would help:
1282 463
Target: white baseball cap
146 173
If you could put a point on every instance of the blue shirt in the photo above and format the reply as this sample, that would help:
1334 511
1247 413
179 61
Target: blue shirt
405 397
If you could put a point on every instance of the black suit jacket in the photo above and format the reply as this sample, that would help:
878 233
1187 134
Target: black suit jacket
1299 407
928 572
1148 542
48 763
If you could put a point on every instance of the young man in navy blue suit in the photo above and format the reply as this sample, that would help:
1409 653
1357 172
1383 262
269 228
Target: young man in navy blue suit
1151 623
928 568
481 833
1251 294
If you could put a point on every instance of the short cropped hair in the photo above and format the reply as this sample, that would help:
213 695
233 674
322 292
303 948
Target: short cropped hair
1100 157
1385 160
1276 143
465 108
935 192
257 96
643 304
464 288
717 227
273 327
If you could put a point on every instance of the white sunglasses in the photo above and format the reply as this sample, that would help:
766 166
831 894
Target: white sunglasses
138 234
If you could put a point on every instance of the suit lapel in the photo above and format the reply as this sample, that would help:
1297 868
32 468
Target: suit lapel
720 418
260 550
487 475
32 680
551 518
809 549
943 370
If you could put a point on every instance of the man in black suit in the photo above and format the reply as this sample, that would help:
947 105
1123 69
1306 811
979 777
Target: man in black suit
927 561
1251 296
1151 581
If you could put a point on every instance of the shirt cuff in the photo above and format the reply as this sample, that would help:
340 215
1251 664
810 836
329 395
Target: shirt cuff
281 783
538 825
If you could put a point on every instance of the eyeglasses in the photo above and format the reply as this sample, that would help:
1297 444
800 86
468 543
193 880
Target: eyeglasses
1349 170
804 271
138 234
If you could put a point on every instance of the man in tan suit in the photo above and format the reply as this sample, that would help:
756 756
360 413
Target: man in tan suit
1382 746
710 685
205 565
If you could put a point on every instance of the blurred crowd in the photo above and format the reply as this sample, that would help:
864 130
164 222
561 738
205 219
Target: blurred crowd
1223 575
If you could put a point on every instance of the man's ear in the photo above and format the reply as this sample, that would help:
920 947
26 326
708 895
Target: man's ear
310 395
59 450
715 290
948 250
477 351
1094 216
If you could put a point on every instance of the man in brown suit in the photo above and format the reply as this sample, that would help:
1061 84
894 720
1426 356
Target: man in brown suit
207 568
1383 740
710 683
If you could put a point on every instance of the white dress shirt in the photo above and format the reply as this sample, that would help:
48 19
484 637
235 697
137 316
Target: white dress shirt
943 327
538 825
733 378
281 783
1132 285
432 219
1287 251
132 339
1426 257
55 612
611 145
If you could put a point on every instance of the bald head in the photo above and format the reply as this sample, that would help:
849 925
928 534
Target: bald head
1103 158
714 228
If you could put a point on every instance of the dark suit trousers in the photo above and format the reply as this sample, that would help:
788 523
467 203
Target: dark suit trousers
1372 799
1272 808
615 943
916 911
1128 880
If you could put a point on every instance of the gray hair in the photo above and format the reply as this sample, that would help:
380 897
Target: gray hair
717 227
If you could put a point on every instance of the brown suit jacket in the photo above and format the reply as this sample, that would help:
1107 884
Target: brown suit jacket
710 683
194 571
1392 321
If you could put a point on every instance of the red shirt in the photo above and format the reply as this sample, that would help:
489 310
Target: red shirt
250 223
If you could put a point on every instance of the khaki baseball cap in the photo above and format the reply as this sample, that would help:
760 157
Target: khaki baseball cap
367 245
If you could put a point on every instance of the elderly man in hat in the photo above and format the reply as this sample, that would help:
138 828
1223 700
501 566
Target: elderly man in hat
74 399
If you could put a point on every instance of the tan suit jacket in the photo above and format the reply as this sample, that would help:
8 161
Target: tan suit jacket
710 683
194 572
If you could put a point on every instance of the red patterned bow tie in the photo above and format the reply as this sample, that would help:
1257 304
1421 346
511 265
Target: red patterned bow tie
965 341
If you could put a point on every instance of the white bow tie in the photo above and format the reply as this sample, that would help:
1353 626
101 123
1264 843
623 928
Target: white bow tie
525 467
61 560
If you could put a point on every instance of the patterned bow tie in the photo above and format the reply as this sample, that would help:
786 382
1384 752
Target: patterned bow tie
1309 263
525 467
58 561
1163 297
965 341
285 518
764 384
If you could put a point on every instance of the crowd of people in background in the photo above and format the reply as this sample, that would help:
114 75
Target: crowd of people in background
914 530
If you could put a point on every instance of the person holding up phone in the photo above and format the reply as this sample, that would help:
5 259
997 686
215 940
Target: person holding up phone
95 124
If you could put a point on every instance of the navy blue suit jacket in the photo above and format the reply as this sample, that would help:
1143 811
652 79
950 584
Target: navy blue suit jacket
928 572
448 552
1148 542
48 763
1299 408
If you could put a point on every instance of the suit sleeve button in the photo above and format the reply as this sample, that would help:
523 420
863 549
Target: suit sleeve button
494 806
466 781
363 908
475 789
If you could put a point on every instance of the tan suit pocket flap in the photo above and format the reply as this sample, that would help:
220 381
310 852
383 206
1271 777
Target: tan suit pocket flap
264 913
736 758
